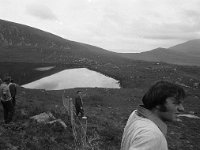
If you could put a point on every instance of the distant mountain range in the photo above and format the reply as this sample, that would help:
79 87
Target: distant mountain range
21 43
187 53
191 47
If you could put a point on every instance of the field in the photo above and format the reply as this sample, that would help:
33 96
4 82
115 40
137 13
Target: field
107 109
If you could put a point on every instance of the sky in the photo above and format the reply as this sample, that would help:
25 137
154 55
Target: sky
116 25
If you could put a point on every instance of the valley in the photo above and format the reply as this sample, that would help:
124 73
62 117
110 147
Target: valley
23 49
111 107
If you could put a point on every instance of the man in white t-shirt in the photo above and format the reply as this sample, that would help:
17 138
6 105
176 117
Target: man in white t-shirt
146 128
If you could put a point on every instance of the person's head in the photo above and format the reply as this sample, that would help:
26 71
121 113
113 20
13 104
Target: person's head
164 98
79 93
11 80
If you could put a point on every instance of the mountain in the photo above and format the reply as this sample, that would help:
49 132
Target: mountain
21 43
187 53
191 47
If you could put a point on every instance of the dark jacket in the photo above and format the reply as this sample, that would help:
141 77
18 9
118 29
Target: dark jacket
78 102
13 89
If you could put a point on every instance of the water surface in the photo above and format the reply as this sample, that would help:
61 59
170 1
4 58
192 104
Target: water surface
73 78
44 68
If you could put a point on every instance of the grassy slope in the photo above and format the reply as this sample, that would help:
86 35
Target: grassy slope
165 55
190 47
20 43
107 109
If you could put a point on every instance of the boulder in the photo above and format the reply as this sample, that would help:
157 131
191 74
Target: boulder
43 117
59 121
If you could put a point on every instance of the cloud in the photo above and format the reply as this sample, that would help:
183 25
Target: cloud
4 2
111 24
41 12
185 27
172 36
173 32
192 19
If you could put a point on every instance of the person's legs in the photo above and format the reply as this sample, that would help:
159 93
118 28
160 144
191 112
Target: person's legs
5 111
10 111
14 102
82 112
77 111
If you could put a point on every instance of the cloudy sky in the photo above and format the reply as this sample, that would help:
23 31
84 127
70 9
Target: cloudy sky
117 25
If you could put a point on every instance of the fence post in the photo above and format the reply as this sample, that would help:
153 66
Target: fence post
66 103
71 110
80 126
84 132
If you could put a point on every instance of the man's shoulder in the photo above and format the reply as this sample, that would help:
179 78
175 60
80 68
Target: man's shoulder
77 97
145 128
144 125
12 85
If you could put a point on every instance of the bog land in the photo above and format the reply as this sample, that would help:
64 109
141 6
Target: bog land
107 109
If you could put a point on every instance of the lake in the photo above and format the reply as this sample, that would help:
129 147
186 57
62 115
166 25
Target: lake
74 78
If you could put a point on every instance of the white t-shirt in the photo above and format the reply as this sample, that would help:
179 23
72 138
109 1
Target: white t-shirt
142 134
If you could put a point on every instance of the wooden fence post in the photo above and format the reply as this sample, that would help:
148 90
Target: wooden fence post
84 131
80 126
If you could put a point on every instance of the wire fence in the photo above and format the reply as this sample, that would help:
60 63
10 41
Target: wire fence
79 124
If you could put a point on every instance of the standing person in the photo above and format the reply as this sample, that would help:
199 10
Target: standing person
6 100
13 91
79 104
146 128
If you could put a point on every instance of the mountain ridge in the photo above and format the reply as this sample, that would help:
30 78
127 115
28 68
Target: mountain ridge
22 43
191 47
178 54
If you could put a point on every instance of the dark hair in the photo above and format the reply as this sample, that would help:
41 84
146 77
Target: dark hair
159 92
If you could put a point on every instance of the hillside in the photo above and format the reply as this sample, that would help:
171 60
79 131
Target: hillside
165 55
20 43
191 47
187 53
22 49
107 111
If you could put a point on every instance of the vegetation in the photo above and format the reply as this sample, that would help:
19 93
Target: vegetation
23 49
107 111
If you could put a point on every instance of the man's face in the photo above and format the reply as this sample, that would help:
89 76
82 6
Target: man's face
80 93
173 108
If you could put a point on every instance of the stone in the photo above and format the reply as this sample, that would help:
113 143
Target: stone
43 117
58 121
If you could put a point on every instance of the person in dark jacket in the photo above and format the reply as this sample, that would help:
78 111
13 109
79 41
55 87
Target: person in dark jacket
79 104
13 91
6 100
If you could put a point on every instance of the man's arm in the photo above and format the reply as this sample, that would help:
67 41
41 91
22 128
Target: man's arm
148 142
